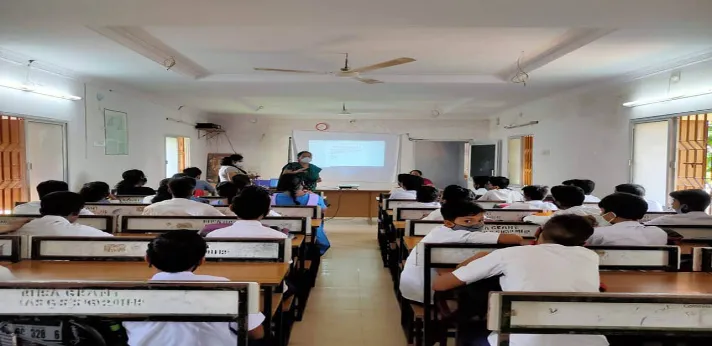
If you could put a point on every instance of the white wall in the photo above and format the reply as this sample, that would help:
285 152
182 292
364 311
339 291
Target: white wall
586 133
87 162
265 142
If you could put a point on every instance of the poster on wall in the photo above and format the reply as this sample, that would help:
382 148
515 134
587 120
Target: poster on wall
116 133
214 167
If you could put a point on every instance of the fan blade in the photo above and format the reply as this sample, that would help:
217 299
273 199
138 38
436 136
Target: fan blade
291 71
389 63
368 80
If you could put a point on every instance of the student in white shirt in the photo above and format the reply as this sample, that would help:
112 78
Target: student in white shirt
399 188
639 190
587 186
250 206
558 263
534 199
6 274
497 190
176 255
410 184
60 211
425 197
181 204
624 211
451 193
480 183
690 206
44 188
463 223
569 199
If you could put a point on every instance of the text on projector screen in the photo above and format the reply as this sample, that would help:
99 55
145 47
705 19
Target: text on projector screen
340 153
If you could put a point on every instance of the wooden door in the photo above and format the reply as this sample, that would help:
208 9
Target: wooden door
13 181
527 160
692 152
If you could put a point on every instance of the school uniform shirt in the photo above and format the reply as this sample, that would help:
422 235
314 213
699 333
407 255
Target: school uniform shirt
533 205
246 229
506 195
6 274
591 199
395 189
33 208
411 280
628 233
403 194
186 333
181 207
205 186
148 199
692 218
654 205
51 225
271 213
422 205
540 268
481 191
581 210
434 215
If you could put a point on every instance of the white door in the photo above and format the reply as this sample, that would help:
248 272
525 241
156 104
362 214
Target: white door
171 156
650 164
46 159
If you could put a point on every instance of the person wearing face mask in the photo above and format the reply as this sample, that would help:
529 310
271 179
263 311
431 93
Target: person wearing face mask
624 211
690 206
308 172
231 166
463 221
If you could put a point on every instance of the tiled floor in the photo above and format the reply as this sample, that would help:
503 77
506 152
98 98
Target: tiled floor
353 302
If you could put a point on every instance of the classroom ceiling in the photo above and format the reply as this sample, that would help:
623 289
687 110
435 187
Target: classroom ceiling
465 51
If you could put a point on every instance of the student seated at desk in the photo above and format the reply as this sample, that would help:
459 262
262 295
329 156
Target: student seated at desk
195 173
624 211
176 255
162 193
250 206
132 184
587 186
425 197
558 263
181 204
451 193
690 206
480 184
409 187
463 223
534 199
43 189
569 199
639 191
399 188
291 191
230 189
60 211
96 192
498 190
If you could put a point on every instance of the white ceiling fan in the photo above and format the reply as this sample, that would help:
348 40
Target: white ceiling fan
346 71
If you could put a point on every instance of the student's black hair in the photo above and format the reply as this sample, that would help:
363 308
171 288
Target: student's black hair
692 200
585 184
633 189
163 193
412 182
251 203
426 194
176 251
193 172
227 160
460 208
302 153
181 187
227 190
500 182
568 195
535 192
417 170
624 205
46 187
61 203
131 178
568 230
480 181
95 191
290 183
241 181
180 175
402 177
456 193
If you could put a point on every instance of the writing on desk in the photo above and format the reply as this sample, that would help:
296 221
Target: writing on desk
217 252
76 298
115 248
509 229
211 221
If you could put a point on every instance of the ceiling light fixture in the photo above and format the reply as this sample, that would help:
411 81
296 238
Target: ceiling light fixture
39 90
661 99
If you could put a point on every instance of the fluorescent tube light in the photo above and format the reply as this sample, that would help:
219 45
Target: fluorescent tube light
37 89
660 99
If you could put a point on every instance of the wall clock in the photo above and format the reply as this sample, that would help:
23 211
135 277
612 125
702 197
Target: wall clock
322 126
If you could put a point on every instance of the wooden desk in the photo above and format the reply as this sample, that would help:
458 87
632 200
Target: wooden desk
657 282
411 242
298 240
315 222
353 203
399 224
389 212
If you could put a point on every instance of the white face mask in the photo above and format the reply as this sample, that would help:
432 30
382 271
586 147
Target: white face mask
239 165
305 159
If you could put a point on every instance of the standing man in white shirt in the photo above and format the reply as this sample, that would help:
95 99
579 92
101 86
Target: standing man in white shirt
690 206
60 211
250 206
558 263
176 255
587 186
624 211
43 189
181 205
451 193
497 190
639 191
410 184
534 199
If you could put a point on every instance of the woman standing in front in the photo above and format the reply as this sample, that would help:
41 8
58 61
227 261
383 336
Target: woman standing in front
307 172
231 166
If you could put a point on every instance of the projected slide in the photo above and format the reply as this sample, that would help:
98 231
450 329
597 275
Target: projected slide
343 153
